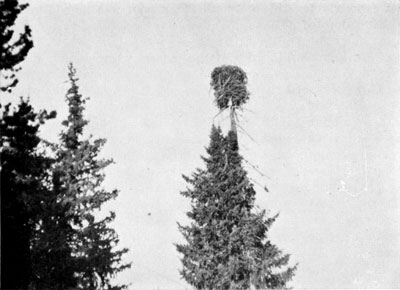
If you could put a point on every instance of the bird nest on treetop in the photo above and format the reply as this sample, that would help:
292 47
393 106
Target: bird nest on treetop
229 84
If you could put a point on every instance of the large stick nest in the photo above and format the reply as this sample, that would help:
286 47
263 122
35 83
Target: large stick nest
229 84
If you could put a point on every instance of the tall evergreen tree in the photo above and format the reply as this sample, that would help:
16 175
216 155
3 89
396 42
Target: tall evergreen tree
227 245
23 171
53 260
13 50
78 176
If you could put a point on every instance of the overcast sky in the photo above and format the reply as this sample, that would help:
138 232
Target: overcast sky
323 116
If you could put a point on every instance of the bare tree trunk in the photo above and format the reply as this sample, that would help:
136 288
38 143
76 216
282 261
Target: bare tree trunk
233 120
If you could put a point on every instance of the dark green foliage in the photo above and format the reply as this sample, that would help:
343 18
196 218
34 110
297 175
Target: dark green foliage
24 172
227 244
229 84
78 177
13 49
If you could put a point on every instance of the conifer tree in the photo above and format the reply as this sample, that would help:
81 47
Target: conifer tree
24 172
227 245
53 260
78 176
13 50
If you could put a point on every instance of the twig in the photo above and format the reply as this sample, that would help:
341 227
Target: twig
263 187
256 169
217 115
244 131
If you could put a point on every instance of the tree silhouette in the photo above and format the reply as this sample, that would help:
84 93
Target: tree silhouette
14 49
23 172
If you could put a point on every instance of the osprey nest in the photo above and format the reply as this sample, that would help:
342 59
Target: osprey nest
229 84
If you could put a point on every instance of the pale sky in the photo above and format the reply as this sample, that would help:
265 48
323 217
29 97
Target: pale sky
323 113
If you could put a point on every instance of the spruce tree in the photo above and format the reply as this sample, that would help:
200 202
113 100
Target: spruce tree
13 50
24 174
227 245
53 260
78 177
